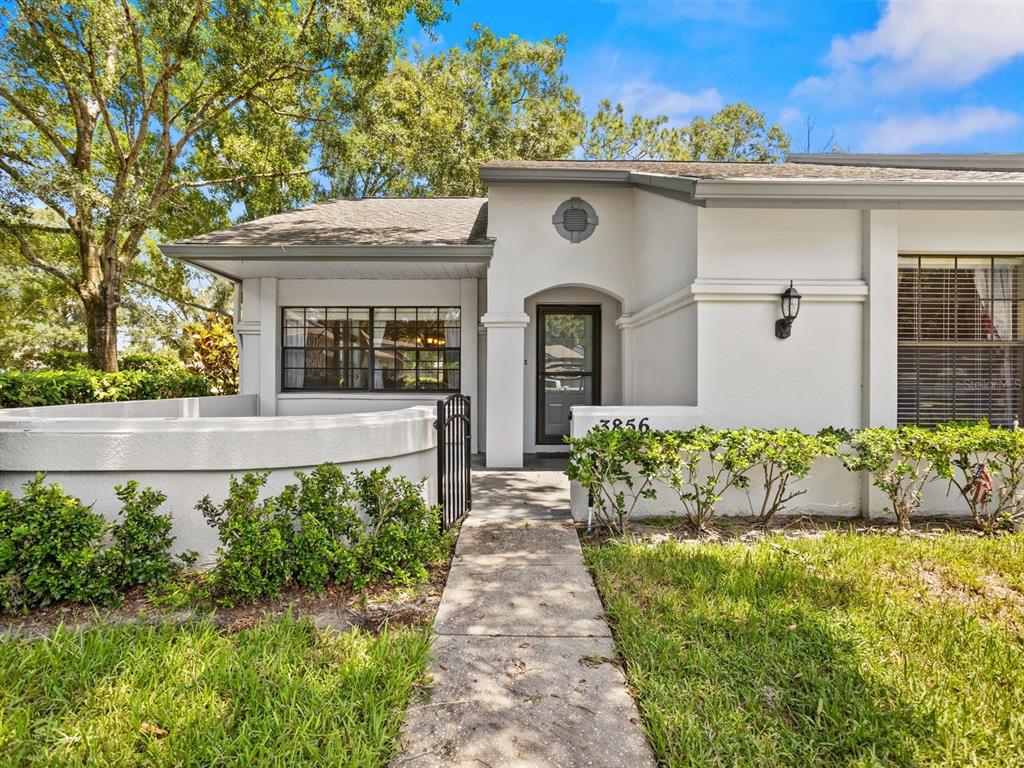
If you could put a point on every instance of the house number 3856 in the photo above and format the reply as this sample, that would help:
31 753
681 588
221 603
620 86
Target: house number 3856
643 425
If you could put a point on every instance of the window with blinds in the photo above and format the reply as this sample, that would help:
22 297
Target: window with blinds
961 351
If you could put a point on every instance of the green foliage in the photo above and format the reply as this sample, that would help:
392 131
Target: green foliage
617 467
214 354
900 461
328 528
704 464
428 124
52 547
959 453
127 118
620 466
140 552
402 534
323 509
783 456
150 362
251 558
84 385
737 132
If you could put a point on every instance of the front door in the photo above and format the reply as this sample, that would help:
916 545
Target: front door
568 365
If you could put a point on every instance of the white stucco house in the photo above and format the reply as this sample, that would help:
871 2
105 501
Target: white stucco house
587 285
581 292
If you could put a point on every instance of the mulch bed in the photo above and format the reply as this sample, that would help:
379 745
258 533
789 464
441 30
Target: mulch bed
338 609
740 529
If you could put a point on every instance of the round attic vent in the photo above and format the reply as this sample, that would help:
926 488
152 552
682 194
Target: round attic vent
575 220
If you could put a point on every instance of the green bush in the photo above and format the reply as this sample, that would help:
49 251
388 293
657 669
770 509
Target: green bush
402 534
52 547
151 362
325 520
620 466
254 540
141 548
617 467
328 528
83 385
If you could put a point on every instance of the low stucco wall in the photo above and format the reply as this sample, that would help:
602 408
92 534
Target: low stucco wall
831 488
189 457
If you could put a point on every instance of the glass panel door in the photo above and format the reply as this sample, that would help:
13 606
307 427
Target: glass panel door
568 366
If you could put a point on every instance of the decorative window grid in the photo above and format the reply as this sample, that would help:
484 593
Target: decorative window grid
374 349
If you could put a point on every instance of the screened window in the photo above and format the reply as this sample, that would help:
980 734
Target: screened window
961 353
379 349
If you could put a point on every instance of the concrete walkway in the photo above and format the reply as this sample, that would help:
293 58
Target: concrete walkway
524 668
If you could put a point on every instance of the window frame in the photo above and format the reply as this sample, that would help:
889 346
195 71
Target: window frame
371 350
918 343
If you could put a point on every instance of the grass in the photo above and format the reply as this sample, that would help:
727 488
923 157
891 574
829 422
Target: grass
837 651
279 694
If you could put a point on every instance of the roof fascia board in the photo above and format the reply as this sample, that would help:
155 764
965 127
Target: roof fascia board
803 189
864 204
987 161
474 254
617 175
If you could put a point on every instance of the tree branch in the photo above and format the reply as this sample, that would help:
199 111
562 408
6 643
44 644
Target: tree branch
29 255
179 300
246 177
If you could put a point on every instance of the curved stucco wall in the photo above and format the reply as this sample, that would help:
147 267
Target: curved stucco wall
190 457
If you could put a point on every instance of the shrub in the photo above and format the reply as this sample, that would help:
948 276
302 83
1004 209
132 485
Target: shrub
322 508
150 362
141 548
52 547
327 528
617 467
252 557
36 388
402 534
214 354
706 463
900 461
962 452
784 455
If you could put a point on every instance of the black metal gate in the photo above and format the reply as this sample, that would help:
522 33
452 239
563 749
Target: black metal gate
453 459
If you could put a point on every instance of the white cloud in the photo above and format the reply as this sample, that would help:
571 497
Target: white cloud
790 116
907 132
924 43
647 98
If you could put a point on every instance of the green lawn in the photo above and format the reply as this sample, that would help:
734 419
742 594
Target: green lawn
842 651
279 694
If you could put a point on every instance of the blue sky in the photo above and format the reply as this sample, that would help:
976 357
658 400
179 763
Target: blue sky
912 76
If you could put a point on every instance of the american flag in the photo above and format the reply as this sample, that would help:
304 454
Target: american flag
982 484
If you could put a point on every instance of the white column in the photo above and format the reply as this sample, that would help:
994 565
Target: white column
505 362
470 320
247 331
880 264
270 344
626 356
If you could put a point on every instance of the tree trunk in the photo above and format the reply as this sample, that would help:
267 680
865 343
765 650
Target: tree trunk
101 328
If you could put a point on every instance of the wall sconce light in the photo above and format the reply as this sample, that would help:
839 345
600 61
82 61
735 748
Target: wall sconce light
790 309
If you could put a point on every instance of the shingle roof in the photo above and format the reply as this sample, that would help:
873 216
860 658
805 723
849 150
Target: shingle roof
370 221
765 171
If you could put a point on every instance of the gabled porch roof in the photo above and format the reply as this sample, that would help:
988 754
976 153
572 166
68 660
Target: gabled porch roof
370 238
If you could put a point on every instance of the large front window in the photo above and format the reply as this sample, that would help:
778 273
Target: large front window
377 349
961 353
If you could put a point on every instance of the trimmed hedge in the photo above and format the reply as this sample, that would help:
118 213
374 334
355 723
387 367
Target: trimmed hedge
20 389
619 466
